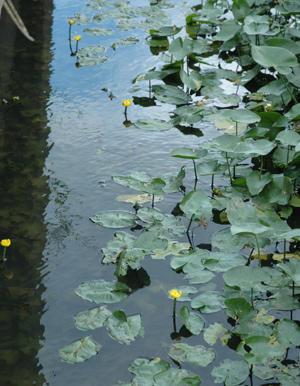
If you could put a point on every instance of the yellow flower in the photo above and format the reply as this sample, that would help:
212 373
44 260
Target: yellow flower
71 22
77 38
175 294
126 102
5 243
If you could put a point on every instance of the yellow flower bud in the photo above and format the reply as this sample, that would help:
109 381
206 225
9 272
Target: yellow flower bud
77 38
5 243
126 102
71 22
175 294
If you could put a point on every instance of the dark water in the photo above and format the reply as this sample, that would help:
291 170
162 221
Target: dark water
59 148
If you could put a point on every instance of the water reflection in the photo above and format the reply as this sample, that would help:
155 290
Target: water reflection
24 73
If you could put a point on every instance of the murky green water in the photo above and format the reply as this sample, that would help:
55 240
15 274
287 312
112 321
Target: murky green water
59 148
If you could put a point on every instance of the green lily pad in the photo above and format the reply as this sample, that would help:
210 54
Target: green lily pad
261 349
91 51
151 124
115 219
193 81
87 61
292 268
98 31
128 41
214 332
196 204
257 147
192 321
101 291
245 277
176 377
171 94
287 332
230 373
188 153
279 58
92 319
239 309
124 329
222 262
279 190
257 181
80 350
196 355
150 215
142 182
209 302
225 241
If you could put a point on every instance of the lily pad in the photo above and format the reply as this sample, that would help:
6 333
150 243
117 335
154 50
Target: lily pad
124 329
192 321
209 302
92 319
151 124
115 219
87 61
245 277
196 205
80 350
214 332
98 31
231 373
196 355
100 291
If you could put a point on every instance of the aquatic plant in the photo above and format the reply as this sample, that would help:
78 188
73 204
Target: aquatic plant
254 164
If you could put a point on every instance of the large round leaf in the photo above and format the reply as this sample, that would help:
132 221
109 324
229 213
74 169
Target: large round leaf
245 277
188 153
208 302
91 319
196 204
115 219
151 124
124 328
231 373
192 321
101 291
79 351
276 57
196 355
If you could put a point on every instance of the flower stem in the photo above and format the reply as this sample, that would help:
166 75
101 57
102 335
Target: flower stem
258 250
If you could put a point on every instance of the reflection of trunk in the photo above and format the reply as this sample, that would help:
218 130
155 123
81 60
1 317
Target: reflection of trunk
24 191
11 10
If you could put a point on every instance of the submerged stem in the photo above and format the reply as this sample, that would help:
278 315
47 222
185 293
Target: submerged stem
195 171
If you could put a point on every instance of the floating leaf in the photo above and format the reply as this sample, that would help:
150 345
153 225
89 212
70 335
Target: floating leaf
91 319
188 153
171 94
221 262
176 377
292 268
279 190
91 51
124 329
196 204
196 355
173 248
98 31
192 321
79 351
209 302
287 332
214 332
257 181
245 277
87 61
277 57
115 219
138 198
101 291
231 373
225 241
151 124
128 41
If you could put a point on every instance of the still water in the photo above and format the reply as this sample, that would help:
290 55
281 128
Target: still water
60 145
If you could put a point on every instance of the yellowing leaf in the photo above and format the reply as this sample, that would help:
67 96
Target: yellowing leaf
138 198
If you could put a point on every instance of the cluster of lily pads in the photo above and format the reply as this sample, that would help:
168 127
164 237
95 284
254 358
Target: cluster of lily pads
254 166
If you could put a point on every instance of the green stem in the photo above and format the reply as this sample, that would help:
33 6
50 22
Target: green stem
252 304
288 156
261 166
190 223
284 250
3 256
249 258
152 200
212 181
287 88
195 171
228 167
258 250
174 308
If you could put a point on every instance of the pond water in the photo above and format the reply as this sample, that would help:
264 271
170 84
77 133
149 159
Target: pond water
60 146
